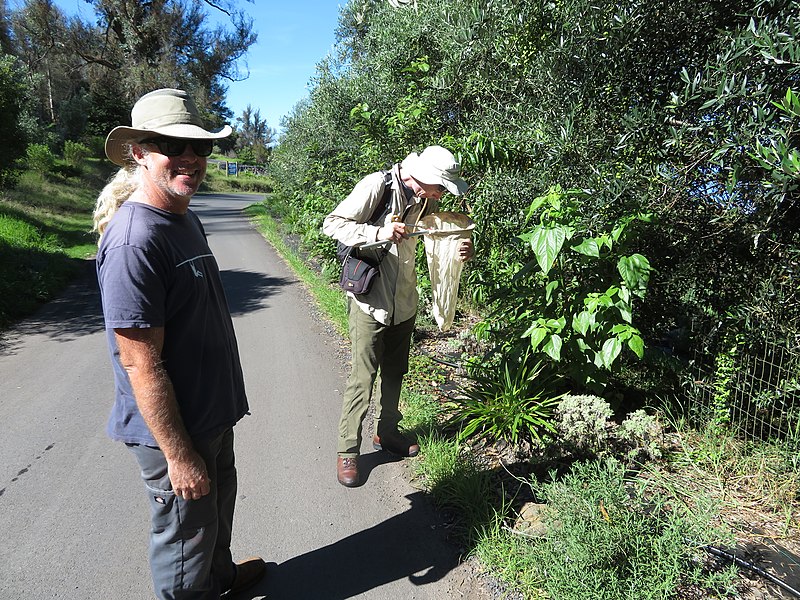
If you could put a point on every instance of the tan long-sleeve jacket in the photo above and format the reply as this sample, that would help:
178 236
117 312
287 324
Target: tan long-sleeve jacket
394 297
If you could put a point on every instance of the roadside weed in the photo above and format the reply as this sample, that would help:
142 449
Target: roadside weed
513 401
511 558
420 411
455 481
612 539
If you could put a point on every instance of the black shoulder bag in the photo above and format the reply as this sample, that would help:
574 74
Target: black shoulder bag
359 272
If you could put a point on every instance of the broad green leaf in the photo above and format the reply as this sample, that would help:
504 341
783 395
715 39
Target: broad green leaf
537 334
635 271
637 345
546 243
605 240
588 247
622 331
553 347
583 322
625 312
610 351
551 287
538 202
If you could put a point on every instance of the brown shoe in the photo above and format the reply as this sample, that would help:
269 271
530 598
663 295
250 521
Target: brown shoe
347 470
396 443
248 573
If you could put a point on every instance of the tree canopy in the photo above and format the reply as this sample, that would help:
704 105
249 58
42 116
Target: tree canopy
88 74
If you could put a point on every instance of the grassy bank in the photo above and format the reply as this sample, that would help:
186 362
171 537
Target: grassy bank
45 235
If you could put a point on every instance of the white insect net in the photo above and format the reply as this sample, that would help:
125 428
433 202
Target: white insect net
446 232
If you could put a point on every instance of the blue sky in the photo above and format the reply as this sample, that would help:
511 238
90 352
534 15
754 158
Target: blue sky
293 36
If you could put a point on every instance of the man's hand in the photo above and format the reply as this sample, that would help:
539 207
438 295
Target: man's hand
466 250
189 477
394 232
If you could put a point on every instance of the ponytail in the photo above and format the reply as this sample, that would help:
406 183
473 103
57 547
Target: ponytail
116 191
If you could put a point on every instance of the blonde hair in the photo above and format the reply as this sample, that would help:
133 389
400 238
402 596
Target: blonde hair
116 191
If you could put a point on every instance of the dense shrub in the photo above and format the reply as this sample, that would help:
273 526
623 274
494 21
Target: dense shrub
685 111
40 158
15 122
75 153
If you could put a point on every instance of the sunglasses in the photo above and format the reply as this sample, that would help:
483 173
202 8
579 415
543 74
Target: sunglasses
177 146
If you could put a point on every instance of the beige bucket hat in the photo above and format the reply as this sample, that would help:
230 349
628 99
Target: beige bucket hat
435 165
168 112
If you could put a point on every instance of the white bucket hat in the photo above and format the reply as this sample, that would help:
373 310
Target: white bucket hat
435 165
166 112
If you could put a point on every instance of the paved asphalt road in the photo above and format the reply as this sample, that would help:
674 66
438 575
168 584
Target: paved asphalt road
72 509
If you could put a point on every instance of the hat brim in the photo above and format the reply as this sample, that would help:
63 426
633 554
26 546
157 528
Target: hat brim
421 171
120 137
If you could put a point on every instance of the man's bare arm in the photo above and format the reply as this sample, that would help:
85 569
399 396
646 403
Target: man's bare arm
140 354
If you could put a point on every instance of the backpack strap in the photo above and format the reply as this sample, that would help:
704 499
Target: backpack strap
386 200
383 207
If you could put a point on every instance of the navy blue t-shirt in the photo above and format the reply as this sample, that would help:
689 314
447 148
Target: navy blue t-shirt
155 269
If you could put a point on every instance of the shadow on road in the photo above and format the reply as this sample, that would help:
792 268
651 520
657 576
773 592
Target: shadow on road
248 291
400 547
78 312
74 313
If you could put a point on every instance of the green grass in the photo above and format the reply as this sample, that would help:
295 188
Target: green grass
609 537
457 484
217 180
510 558
45 236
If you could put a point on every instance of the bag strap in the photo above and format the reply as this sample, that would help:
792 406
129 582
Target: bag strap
383 206
386 199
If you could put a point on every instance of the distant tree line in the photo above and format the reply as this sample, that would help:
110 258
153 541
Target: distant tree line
68 78
634 166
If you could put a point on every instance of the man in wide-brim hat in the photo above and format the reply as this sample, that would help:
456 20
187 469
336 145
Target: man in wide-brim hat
179 386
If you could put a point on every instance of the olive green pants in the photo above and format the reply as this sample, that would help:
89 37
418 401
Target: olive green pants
377 351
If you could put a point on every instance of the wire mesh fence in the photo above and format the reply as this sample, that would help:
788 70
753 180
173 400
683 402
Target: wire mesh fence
755 387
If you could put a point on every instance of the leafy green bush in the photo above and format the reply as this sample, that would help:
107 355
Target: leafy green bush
583 422
611 539
685 109
16 123
586 429
75 153
572 302
40 158
643 435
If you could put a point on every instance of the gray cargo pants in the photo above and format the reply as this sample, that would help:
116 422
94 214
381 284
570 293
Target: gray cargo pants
190 556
